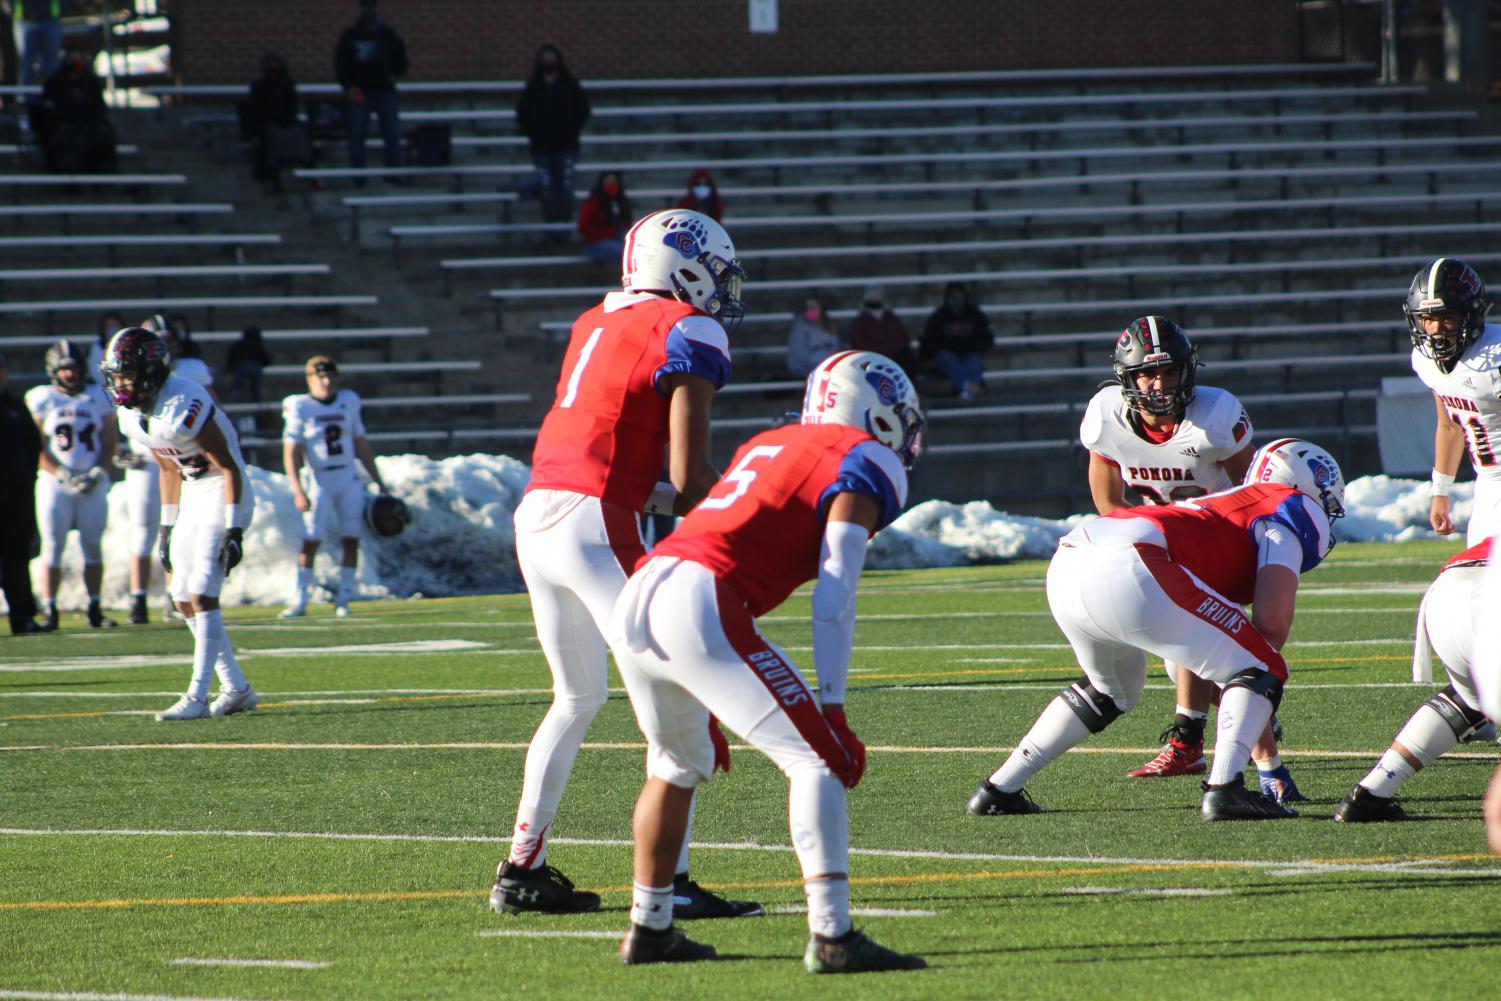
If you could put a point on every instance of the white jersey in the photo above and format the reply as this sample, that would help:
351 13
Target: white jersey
326 432
194 370
1471 395
72 426
171 429
1214 428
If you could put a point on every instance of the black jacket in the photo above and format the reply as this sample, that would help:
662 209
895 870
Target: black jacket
553 115
20 448
966 331
370 56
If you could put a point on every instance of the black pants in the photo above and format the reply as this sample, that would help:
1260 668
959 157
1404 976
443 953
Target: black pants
16 538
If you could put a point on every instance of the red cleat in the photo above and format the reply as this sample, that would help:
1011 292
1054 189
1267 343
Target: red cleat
1177 758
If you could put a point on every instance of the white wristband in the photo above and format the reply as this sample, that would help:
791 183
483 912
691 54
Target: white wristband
1441 484
233 516
169 515
661 499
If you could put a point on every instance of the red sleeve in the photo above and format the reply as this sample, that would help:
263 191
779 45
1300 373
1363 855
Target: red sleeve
592 224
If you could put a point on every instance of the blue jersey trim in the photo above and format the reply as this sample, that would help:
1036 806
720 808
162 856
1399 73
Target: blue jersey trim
1293 514
693 358
860 474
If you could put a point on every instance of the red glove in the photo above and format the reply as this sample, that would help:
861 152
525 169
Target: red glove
721 746
851 744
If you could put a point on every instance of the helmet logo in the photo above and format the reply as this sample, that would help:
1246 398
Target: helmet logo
1323 476
687 238
1469 279
884 386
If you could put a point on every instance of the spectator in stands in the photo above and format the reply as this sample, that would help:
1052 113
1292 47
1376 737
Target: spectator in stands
39 38
876 328
179 328
551 112
956 339
182 354
20 448
72 122
703 195
605 218
108 324
368 59
271 120
813 337
247 358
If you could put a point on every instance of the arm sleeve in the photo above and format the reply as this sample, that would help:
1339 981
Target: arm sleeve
697 345
841 558
1276 545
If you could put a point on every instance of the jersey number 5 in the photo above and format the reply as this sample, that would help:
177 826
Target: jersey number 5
742 476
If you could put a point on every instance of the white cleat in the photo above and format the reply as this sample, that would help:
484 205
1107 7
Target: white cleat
230 702
341 611
186 707
292 612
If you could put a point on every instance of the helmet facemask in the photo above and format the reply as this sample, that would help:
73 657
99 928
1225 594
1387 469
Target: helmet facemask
1148 344
723 303
134 368
866 390
1450 290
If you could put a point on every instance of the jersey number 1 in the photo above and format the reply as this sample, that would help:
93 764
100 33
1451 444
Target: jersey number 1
741 476
578 370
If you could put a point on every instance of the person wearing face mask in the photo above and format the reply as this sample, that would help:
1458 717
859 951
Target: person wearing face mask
605 218
876 328
367 61
955 341
813 337
703 196
551 112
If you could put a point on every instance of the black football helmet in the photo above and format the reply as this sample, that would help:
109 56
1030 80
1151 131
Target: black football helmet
1152 342
387 516
139 355
1447 285
67 357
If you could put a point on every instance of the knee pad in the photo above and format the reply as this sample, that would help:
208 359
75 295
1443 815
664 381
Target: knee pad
663 764
50 552
1461 717
1096 709
93 552
1262 683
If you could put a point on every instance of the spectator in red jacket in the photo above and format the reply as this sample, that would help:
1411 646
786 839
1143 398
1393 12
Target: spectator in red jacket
605 218
876 328
703 195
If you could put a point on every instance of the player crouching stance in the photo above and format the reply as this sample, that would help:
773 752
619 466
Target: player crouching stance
798 502
205 505
1169 581
1446 626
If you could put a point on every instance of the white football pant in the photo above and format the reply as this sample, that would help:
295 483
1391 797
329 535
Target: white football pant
143 499
340 505
1449 613
198 538
59 511
1485 511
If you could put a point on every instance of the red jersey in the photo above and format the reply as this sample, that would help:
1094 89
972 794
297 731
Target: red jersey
1477 555
606 434
1212 536
761 527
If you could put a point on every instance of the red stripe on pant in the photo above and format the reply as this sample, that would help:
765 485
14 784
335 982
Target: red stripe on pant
623 529
796 702
1189 596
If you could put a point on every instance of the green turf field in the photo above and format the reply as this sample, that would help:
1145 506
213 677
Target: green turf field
349 828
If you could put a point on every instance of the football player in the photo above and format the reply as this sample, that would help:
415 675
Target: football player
142 490
1486 674
324 427
634 395
1446 626
79 431
206 506
1455 352
799 502
1167 438
1170 581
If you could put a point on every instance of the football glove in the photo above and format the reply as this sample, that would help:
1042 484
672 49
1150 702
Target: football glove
850 774
721 747
234 548
1278 784
164 547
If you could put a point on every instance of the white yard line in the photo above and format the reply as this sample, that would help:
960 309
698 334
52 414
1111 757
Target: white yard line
1142 891
858 912
276 964
94 996
518 933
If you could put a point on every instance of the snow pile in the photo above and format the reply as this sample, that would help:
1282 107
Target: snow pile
461 540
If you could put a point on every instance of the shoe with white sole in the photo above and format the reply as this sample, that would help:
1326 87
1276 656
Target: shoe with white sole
341 611
186 707
230 702
292 612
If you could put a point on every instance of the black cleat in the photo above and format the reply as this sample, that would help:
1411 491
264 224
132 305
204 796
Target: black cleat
49 620
1363 807
544 890
691 902
1233 801
643 945
855 953
138 614
97 619
988 801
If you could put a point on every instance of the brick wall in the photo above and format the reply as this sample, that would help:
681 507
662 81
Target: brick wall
220 41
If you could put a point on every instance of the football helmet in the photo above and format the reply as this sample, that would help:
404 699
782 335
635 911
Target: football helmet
865 390
139 355
66 357
688 256
1446 286
1302 464
386 516
1152 342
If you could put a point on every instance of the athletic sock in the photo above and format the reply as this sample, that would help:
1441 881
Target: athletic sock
1056 730
1243 715
651 906
682 868
346 585
1387 777
203 658
1190 724
828 905
529 839
231 677
304 581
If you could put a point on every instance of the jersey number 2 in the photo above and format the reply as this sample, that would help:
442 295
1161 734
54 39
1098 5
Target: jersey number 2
742 476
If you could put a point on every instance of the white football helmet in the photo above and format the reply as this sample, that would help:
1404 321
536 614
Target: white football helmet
1301 464
688 256
866 390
